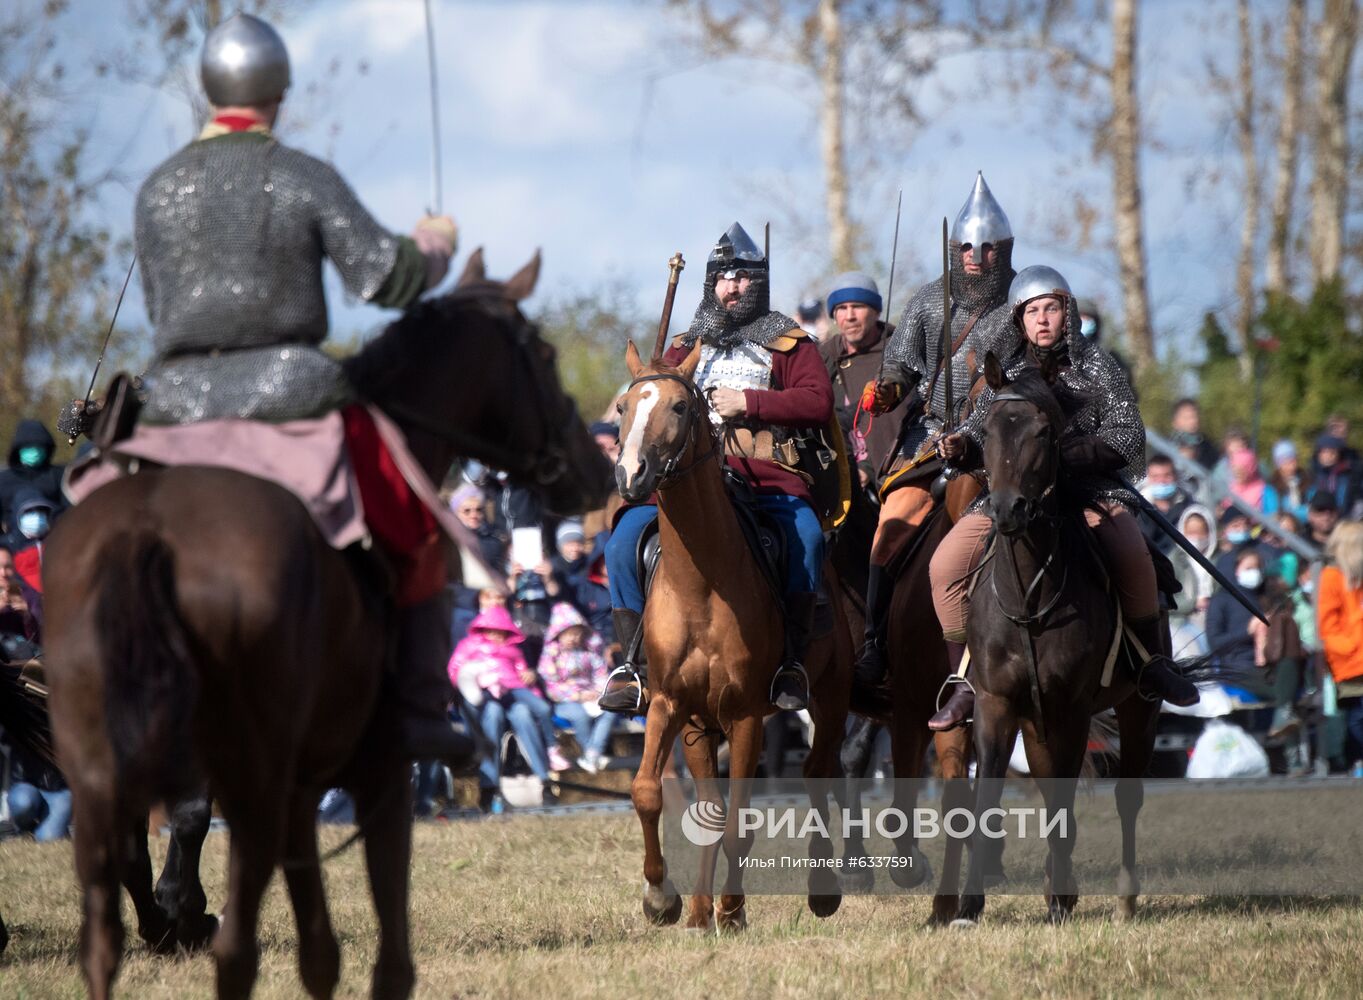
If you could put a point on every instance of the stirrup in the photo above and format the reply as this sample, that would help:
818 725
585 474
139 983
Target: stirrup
942 691
631 673
793 666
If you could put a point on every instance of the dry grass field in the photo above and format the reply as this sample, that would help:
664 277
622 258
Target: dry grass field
531 906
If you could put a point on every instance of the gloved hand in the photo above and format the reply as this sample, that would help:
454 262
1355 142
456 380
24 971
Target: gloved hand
880 397
1090 453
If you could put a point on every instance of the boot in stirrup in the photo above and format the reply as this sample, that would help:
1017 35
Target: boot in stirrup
959 709
1157 679
790 686
624 691
870 668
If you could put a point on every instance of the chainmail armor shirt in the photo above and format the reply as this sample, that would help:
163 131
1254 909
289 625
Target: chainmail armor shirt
230 234
1109 413
914 353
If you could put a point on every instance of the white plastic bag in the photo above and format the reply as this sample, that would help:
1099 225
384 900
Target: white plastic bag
1224 750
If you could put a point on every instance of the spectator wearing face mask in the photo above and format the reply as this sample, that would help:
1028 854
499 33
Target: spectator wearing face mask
1188 622
1165 495
30 466
1233 634
1237 536
32 522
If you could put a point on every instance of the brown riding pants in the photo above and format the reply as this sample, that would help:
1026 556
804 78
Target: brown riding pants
901 514
1119 537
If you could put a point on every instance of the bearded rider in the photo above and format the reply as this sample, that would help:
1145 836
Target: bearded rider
1105 436
913 375
231 232
764 379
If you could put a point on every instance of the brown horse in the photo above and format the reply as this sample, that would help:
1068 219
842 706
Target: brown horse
713 635
918 669
1039 632
199 626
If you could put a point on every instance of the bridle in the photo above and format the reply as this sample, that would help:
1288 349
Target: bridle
543 466
695 406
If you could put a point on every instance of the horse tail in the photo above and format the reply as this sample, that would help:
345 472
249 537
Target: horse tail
150 685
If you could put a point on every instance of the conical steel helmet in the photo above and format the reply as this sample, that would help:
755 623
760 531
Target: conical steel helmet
735 250
981 219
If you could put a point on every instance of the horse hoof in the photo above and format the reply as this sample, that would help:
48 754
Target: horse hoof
200 936
963 924
824 905
1126 909
853 881
917 872
1059 913
731 922
945 910
662 905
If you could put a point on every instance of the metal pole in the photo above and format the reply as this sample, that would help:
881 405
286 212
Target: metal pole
437 195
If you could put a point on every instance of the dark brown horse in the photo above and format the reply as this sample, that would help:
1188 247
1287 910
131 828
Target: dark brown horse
199 626
918 668
1040 628
713 634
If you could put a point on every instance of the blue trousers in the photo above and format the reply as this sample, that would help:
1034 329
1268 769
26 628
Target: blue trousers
530 718
592 734
46 814
799 523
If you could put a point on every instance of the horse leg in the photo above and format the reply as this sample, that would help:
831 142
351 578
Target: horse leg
953 753
857 748
179 889
701 757
996 727
1055 766
745 746
1137 720
383 803
662 905
258 826
908 745
96 837
828 707
319 957
154 925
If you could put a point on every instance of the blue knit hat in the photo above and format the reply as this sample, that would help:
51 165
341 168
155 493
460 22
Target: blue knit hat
854 286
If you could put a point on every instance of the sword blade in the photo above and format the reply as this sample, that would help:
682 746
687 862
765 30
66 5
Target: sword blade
437 194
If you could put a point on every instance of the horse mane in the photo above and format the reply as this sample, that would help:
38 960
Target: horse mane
418 334
1033 387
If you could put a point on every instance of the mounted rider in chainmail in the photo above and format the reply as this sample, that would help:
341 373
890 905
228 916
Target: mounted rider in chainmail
231 233
913 375
765 382
1104 434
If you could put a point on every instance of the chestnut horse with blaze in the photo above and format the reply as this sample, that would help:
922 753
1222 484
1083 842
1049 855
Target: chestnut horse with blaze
713 634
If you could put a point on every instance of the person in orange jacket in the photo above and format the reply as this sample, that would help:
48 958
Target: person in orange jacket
1339 610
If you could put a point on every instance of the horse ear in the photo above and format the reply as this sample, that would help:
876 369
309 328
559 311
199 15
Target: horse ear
692 362
993 372
474 272
522 283
633 362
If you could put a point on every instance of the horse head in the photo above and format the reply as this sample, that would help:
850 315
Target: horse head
466 374
660 413
1021 446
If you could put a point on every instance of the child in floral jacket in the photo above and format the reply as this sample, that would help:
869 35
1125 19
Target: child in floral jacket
574 668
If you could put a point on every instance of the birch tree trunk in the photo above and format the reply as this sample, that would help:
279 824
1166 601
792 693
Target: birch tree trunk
1244 132
1336 35
1276 276
840 242
1126 185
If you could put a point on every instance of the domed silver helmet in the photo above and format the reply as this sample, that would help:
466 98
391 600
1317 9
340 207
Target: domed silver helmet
735 251
1034 282
244 63
981 219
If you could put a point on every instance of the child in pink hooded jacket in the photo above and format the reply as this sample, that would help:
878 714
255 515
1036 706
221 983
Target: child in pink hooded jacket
492 675
574 669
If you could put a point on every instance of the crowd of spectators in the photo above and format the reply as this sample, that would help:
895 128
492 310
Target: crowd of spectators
1283 529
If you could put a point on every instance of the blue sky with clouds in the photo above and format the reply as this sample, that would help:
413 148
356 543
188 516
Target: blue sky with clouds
589 130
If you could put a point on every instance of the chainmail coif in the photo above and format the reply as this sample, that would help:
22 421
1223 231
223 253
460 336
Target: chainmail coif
751 321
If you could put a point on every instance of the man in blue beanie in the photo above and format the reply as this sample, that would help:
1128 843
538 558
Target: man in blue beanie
852 356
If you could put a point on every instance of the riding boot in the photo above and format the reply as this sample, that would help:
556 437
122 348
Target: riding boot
624 691
870 669
960 707
423 687
790 686
1158 678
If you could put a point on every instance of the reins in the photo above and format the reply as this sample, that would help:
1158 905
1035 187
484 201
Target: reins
670 472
